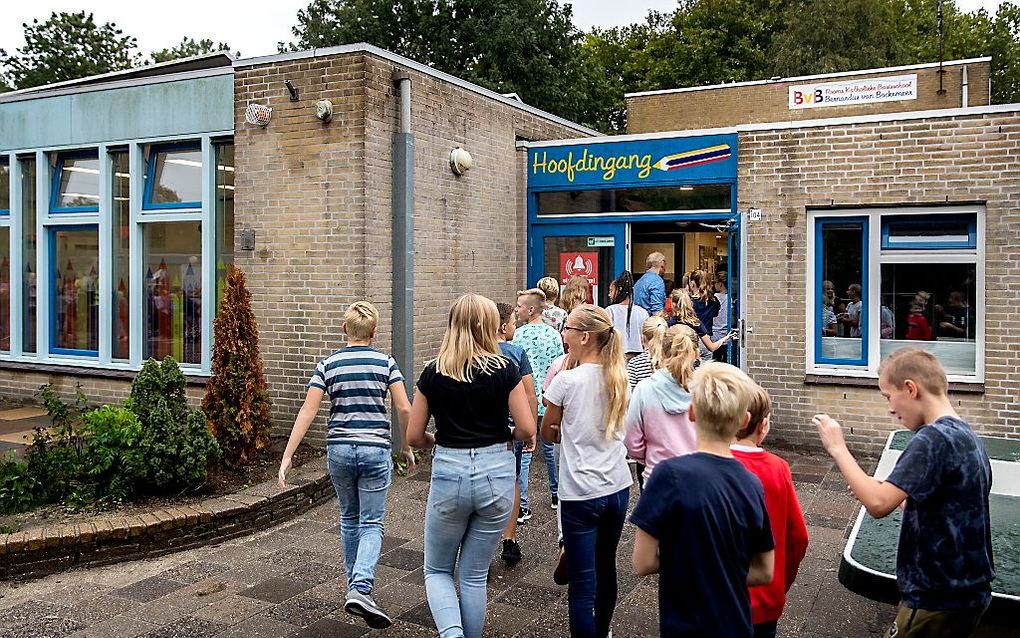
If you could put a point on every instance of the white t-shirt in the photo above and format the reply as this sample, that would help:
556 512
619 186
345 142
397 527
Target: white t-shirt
632 335
590 466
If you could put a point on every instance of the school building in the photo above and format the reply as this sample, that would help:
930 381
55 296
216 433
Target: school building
853 214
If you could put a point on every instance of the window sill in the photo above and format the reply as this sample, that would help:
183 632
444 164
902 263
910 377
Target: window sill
80 371
959 387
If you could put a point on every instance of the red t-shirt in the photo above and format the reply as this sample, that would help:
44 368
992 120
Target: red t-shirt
788 530
918 328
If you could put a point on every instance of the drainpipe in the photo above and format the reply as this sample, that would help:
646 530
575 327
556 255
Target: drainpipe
963 89
403 241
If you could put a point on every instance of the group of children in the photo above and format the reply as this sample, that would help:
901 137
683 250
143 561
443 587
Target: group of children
718 518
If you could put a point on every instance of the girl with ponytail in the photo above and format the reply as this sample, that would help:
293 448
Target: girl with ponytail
704 301
658 427
684 314
585 408
642 366
626 317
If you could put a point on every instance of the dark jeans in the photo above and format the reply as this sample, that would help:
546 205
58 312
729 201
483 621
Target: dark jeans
765 629
591 534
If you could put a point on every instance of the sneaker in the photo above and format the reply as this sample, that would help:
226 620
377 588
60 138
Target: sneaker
555 503
524 515
511 552
560 571
359 604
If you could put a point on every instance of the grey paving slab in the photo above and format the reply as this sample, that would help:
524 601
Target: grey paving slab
332 628
116 627
302 611
148 589
188 627
277 590
259 626
232 609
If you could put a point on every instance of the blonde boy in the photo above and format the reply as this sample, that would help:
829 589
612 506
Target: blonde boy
702 522
357 377
944 563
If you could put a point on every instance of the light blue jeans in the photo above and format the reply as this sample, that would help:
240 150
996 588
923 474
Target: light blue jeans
361 476
469 504
526 458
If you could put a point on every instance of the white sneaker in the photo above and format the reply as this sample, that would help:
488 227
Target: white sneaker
359 604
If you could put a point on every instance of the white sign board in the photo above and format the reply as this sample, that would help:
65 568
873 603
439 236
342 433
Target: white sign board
597 242
869 91
754 214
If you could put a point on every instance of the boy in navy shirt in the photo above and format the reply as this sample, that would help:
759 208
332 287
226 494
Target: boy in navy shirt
944 562
702 522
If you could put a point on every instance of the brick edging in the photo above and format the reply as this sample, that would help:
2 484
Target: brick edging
50 549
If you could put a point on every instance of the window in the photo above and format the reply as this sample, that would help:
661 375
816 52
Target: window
173 290
224 215
120 314
634 200
928 290
5 187
74 309
5 288
76 183
174 177
29 298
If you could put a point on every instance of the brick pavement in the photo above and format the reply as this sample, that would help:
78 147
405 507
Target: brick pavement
289 581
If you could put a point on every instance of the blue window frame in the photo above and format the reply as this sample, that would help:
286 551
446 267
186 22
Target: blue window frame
929 232
173 177
5 187
841 259
74 299
76 183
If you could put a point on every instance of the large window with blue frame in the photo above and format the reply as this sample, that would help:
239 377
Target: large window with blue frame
5 186
927 291
74 290
76 183
173 177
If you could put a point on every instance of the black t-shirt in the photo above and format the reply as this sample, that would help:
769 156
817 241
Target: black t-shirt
699 329
474 414
707 311
709 515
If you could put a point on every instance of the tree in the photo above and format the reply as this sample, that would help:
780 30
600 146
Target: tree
67 46
529 47
1005 51
236 401
189 47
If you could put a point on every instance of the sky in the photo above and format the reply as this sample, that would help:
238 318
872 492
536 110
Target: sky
255 26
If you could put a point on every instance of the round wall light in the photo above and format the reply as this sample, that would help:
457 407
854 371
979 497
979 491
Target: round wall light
324 110
460 161
258 114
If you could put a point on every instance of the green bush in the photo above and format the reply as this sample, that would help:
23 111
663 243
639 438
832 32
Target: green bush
176 444
112 457
17 487
54 462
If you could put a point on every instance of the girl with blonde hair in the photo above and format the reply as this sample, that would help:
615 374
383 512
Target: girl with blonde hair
585 414
575 293
552 314
642 366
684 314
471 390
704 301
658 427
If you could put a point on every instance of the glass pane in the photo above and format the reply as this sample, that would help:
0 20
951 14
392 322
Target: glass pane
121 328
5 186
931 306
842 315
569 256
224 215
177 177
5 288
930 231
75 287
630 200
29 296
173 290
79 183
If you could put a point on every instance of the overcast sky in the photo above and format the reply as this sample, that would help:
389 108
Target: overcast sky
255 26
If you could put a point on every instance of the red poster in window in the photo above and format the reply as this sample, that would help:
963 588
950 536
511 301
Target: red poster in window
582 264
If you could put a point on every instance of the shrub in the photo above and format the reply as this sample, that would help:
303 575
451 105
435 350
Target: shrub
54 462
17 486
176 444
112 457
236 398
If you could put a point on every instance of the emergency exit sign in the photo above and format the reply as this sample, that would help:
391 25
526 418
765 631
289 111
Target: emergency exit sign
598 242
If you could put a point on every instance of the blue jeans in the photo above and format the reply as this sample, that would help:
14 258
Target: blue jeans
361 476
525 461
591 534
469 504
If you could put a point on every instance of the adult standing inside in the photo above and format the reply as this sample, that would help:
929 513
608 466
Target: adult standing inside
542 344
627 317
852 318
471 390
650 289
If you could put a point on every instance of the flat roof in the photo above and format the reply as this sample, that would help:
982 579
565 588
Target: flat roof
801 78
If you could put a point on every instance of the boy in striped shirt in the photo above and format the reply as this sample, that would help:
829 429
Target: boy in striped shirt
357 379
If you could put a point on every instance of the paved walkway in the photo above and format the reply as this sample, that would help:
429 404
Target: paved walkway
289 581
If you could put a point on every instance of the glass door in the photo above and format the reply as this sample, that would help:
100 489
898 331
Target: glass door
595 251
736 235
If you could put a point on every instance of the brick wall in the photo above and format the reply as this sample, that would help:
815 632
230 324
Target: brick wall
930 161
732 105
319 199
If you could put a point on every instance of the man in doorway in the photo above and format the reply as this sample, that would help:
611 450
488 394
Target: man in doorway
650 290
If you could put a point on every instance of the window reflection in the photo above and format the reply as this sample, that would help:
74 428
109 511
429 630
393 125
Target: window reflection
176 178
78 183
842 312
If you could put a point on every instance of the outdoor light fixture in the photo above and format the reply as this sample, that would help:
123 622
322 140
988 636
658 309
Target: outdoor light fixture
460 161
324 110
290 89
258 114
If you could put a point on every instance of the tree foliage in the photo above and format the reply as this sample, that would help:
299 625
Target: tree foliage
236 398
67 46
189 47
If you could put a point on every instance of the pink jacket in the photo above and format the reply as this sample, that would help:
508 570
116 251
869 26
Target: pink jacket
657 424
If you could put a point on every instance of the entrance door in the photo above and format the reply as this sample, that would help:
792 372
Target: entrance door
737 235
595 251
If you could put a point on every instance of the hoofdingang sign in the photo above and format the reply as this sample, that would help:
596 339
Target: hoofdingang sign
869 91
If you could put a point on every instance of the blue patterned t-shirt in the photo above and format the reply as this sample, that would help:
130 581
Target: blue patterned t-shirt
542 344
944 560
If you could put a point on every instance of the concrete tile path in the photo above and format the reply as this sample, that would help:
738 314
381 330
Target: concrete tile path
289 581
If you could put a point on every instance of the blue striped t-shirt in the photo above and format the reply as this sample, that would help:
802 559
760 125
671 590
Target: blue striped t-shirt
357 379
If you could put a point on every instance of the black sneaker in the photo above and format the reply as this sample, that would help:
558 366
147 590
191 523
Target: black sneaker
524 515
511 552
555 503
359 604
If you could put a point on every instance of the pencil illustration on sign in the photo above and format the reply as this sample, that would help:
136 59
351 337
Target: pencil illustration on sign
696 157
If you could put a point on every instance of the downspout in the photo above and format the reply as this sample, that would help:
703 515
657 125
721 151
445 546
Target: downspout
403 242
963 88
